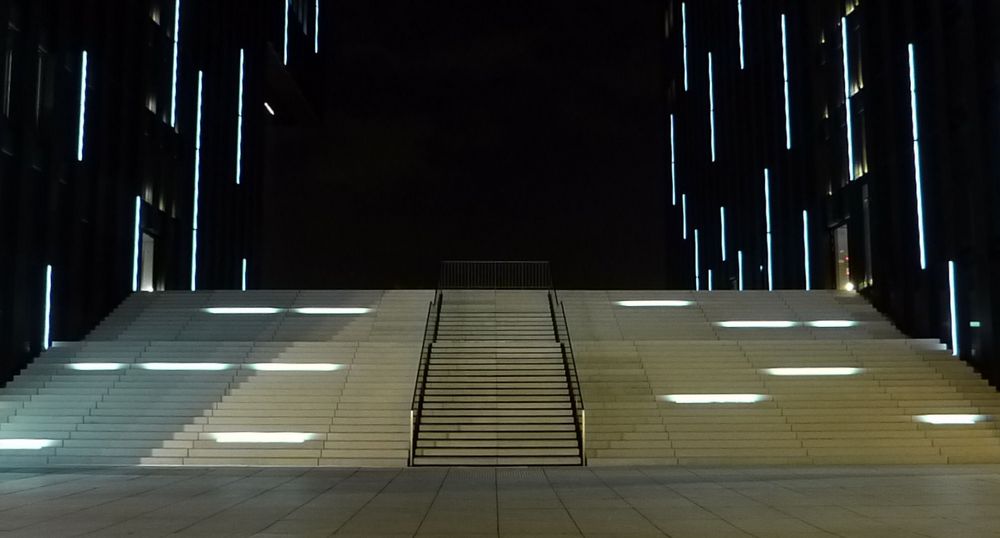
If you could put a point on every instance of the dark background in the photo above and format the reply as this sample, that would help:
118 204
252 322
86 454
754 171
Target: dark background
476 130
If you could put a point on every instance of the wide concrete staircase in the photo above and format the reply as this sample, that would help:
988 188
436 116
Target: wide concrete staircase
495 387
676 383
164 381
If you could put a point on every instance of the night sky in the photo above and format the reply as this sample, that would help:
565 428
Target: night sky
529 129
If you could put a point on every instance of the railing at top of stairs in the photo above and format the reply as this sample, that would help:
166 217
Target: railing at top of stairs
495 275
430 336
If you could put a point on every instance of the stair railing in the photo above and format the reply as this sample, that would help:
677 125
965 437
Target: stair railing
569 367
494 275
420 383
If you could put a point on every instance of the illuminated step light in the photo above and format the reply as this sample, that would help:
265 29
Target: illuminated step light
182 366
332 311
263 437
242 310
26 444
655 302
96 366
714 398
295 366
823 371
832 323
951 419
761 324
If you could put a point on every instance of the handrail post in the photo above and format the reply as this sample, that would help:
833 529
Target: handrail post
552 313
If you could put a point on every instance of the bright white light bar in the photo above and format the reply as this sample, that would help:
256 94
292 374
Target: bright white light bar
739 22
242 310
832 323
96 366
709 280
714 398
767 229
654 302
739 264
673 163
711 105
684 215
953 306
784 67
823 371
197 181
269 109
722 230
183 366
316 31
917 175
284 55
135 245
239 120
26 444
295 366
684 36
847 100
81 126
805 247
263 437
757 324
332 310
243 278
951 419
697 267
173 69
47 327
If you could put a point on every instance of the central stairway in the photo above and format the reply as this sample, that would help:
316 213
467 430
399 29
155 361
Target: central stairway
497 383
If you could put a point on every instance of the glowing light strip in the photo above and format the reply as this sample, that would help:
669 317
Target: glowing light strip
316 31
784 67
821 371
847 101
96 366
135 244
47 323
767 217
709 280
765 324
242 310
673 163
185 366
917 175
81 127
832 323
684 214
243 280
296 366
269 109
684 36
239 121
739 22
26 444
697 268
173 70
722 224
285 45
711 105
739 263
197 180
953 306
714 398
332 310
951 419
805 246
262 437
655 302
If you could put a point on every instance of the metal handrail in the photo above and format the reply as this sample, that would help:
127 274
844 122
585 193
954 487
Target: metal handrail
419 384
572 378
455 274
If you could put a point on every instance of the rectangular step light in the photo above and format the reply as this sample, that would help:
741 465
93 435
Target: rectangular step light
951 419
757 324
832 323
835 370
26 444
96 366
242 310
656 302
263 437
714 398
182 366
331 310
296 366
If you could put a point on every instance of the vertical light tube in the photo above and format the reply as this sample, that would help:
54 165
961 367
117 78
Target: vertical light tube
767 223
722 228
47 322
709 280
316 31
135 244
673 163
784 70
684 36
173 69
739 267
684 214
805 245
83 107
239 121
284 55
847 101
711 105
917 174
739 23
197 180
953 305
244 278
697 267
